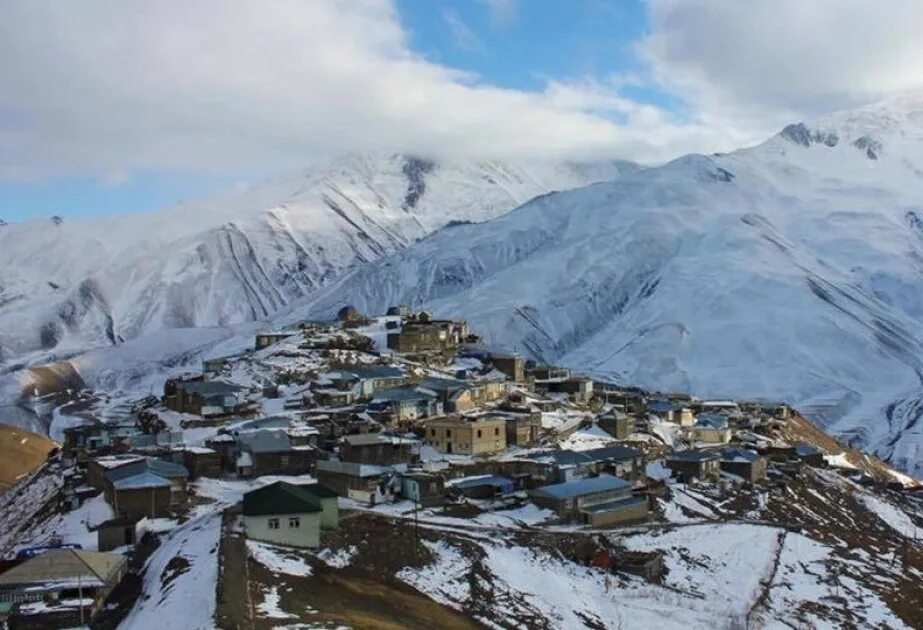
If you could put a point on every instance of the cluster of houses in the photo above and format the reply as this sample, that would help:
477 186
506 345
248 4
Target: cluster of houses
431 416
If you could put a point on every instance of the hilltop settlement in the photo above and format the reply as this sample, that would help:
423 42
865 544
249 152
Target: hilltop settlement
398 468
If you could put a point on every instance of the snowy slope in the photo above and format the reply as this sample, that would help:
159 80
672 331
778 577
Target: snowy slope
66 285
790 270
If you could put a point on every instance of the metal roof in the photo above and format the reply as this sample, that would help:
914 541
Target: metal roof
140 481
580 487
265 441
693 455
485 480
280 498
739 455
210 387
403 394
566 457
439 384
713 420
60 565
375 371
159 467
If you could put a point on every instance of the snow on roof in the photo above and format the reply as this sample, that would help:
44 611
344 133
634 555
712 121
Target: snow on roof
581 487
739 455
364 439
195 450
265 441
140 481
351 468
114 461
475 481
210 387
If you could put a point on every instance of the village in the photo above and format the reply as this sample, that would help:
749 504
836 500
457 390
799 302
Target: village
403 420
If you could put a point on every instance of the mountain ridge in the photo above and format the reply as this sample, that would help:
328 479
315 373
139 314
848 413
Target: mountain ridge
70 285
786 270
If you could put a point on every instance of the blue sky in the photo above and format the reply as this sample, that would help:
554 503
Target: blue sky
115 106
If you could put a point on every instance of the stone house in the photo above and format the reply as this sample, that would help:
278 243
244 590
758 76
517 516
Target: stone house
711 428
478 436
266 338
670 411
147 488
744 463
424 335
617 424
694 464
513 365
270 452
362 482
205 398
523 429
424 489
380 449
200 461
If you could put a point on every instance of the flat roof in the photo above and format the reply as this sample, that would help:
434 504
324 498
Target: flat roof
580 487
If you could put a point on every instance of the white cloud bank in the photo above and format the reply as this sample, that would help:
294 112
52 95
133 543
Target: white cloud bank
769 62
112 86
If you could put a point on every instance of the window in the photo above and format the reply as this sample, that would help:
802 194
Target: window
497 431
294 522
448 433
479 433
284 461
273 523
432 432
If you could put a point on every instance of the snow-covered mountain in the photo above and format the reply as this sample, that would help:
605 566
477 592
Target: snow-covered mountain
790 270
66 285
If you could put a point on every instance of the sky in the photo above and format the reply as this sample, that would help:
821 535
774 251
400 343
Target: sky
114 106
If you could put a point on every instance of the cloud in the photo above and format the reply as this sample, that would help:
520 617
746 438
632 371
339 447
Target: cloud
464 37
103 86
766 62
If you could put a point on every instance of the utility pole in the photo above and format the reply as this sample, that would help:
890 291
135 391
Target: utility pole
80 596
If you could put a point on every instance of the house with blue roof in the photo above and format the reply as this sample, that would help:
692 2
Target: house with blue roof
596 501
145 487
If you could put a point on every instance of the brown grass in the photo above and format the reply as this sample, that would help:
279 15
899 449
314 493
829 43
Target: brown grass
21 452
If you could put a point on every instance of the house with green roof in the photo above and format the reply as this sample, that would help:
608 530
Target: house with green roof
284 513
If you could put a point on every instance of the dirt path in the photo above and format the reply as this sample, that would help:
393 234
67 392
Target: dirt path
753 616
363 601
235 609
